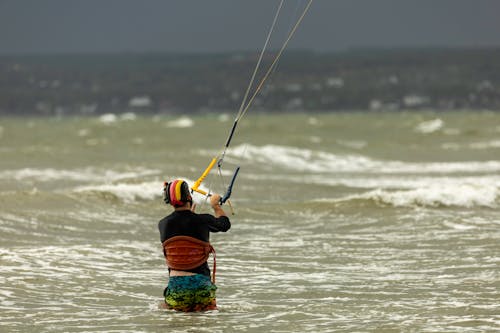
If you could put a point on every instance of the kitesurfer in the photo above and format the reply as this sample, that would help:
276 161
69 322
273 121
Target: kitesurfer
185 238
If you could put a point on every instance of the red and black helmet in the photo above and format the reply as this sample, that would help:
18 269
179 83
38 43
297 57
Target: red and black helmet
176 193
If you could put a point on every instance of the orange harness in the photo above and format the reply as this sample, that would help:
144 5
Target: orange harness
184 253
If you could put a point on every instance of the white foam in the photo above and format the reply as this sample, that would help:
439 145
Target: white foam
224 117
83 132
461 195
127 116
301 159
429 126
83 175
458 226
480 145
182 122
125 191
405 190
130 192
108 118
313 121
485 144
306 160
399 182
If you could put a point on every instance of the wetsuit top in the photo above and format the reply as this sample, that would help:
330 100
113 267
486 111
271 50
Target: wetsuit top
187 223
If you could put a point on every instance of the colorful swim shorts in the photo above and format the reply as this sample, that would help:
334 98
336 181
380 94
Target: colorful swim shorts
190 293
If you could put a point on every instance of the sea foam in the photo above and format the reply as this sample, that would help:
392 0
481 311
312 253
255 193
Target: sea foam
125 191
90 174
460 195
182 122
312 161
130 192
429 126
110 118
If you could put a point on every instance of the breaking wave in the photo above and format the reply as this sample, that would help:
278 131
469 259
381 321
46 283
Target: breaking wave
125 191
84 175
307 160
131 192
394 183
435 196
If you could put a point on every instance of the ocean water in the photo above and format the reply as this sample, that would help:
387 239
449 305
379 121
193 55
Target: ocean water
345 222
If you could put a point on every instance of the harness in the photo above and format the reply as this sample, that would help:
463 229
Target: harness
184 253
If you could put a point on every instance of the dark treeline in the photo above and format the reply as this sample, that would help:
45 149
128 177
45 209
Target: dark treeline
441 79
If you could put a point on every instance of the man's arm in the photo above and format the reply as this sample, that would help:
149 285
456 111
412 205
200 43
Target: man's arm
221 221
214 202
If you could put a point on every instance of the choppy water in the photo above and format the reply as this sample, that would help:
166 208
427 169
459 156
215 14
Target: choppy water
344 222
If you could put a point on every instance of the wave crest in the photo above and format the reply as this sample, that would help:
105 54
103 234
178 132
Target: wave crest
436 196
307 160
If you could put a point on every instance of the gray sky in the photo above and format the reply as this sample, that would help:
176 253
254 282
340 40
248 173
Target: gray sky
61 26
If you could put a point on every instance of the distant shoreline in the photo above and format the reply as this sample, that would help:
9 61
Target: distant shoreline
405 79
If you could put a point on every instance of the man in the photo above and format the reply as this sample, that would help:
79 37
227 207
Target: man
185 237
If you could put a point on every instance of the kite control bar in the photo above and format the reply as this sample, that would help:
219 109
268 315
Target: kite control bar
229 190
202 177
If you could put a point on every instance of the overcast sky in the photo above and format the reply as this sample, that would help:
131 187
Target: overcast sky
62 26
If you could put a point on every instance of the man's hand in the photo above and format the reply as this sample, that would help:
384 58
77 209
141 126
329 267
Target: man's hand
215 200
215 203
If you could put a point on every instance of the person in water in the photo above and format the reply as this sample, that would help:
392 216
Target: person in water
185 236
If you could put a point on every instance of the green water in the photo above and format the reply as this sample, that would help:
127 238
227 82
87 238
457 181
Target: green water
343 222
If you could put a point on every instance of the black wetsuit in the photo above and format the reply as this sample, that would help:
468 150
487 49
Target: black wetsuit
187 223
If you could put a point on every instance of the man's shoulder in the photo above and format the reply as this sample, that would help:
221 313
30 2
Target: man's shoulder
166 218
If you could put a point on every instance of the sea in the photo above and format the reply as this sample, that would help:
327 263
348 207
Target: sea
341 222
